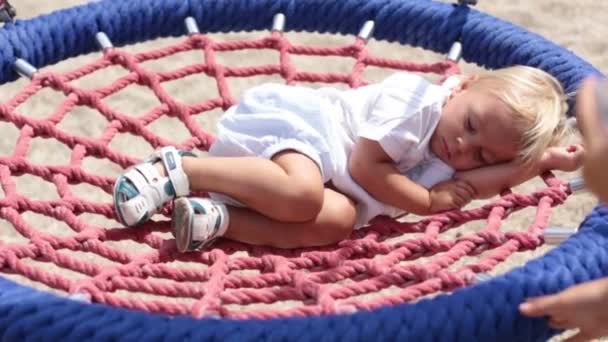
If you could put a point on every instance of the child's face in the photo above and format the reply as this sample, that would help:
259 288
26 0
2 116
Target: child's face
476 129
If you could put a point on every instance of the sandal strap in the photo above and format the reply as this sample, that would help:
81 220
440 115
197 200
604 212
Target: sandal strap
136 177
152 193
153 186
148 190
172 161
210 220
134 209
149 172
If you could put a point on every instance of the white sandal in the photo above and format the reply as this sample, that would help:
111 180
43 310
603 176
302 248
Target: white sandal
141 192
197 222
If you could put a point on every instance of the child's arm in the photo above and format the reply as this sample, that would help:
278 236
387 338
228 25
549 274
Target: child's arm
491 180
375 171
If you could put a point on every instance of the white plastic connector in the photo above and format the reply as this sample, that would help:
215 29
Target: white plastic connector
80 297
555 235
481 277
455 52
25 69
191 26
278 22
367 30
577 184
103 41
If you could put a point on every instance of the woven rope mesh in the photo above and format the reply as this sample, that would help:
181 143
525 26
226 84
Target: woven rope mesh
88 254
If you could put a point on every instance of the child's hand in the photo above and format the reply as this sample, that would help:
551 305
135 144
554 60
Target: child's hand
451 194
563 158
581 306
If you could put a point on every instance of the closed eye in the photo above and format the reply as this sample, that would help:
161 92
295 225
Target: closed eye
470 126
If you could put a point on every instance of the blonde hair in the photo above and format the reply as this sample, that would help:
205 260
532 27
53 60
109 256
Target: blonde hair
538 103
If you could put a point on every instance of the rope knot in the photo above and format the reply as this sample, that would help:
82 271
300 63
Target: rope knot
86 98
51 80
117 57
43 247
420 272
305 287
493 238
273 42
526 240
200 41
453 280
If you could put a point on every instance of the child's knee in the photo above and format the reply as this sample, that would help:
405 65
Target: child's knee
304 193
301 203
338 220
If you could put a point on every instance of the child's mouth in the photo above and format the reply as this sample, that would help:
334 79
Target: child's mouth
447 153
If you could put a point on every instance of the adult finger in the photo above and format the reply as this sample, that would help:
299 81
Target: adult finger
539 306
560 323
592 101
580 337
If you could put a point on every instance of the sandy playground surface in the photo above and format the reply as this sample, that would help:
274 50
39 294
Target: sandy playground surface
576 25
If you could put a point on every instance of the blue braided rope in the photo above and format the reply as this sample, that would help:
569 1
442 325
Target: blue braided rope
487 41
484 312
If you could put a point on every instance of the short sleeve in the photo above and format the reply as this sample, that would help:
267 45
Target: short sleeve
398 118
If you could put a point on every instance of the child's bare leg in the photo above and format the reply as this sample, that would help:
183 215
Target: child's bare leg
287 188
334 223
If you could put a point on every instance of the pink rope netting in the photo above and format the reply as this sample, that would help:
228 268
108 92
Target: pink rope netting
230 279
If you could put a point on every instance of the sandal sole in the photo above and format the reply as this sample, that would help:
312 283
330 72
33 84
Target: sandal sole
116 209
181 224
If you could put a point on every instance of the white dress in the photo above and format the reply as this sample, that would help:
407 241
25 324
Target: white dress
400 113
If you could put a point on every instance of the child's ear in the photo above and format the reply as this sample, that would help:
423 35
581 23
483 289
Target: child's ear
465 83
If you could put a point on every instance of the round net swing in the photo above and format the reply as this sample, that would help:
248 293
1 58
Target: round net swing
131 284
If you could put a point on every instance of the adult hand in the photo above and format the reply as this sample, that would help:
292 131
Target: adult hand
591 109
583 306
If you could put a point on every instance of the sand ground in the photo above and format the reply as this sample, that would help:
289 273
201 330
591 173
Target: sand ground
576 25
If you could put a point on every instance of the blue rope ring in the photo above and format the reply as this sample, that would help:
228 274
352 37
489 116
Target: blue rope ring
484 312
